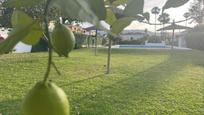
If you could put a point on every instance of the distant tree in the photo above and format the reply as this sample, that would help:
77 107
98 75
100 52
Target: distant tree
6 13
186 16
197 11
164 19
155 11
6 17
146 34
194 38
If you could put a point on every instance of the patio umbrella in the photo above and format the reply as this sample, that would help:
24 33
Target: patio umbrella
174 27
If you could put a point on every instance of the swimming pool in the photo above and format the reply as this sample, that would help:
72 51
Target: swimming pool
141 46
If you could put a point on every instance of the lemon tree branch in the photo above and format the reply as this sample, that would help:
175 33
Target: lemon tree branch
49 41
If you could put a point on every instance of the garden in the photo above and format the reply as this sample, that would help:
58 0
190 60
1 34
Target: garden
68 79
141 81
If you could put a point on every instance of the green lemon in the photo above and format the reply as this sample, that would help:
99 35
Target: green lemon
63 40
45 99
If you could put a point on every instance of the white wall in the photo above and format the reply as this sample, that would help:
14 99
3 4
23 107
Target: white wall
22 48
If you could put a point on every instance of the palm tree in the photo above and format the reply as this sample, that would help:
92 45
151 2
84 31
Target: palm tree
164 19
186 15
155 11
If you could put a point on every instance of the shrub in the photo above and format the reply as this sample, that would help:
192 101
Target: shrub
80 39
195 38
41 46
134 42
154 39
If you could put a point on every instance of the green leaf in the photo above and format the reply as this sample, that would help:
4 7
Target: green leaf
34 35
120 24
98 7
76 9
110 17
21 3
174 4
20 20
25 29
14 37
146 16
134 7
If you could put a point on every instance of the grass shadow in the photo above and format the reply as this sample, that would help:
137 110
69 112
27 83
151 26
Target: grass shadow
83 80
142 51
133 91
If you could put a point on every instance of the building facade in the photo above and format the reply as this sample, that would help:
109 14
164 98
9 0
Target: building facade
129 35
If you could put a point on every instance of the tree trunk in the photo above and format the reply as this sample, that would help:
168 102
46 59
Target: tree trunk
163 34
155 26
172 40
96 42
109 56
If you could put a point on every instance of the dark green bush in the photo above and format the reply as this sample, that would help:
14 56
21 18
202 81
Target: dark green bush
41 46
80 40
195 38
134 42
154 39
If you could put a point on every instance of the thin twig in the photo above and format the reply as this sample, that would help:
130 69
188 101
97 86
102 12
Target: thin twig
45 37
55 67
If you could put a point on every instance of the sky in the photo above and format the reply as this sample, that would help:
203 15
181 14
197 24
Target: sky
175 14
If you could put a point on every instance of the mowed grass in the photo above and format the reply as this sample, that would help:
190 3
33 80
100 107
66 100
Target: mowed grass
143 82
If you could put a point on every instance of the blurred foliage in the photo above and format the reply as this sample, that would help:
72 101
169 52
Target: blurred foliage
197 11
80 40
6 17
140 41
41 46
195 38
154 39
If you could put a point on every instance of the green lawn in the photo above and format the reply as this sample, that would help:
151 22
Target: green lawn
143 82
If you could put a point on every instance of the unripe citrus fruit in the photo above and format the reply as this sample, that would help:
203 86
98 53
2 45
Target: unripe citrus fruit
45 99
63 39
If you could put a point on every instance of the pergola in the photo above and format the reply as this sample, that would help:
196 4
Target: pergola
174 27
